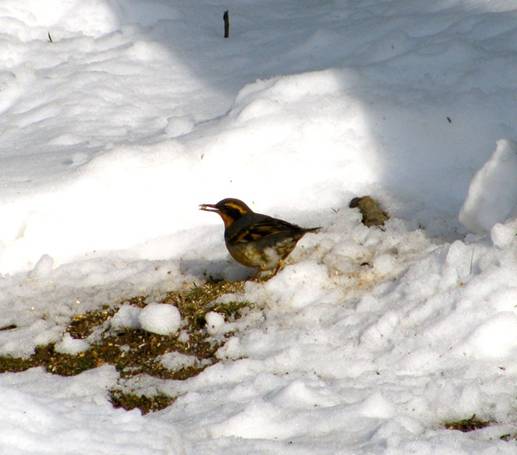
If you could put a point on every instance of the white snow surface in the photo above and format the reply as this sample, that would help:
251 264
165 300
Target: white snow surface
159 318
369 339
69 345
214 322
492 195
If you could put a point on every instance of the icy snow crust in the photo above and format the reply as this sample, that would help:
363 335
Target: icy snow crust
138 111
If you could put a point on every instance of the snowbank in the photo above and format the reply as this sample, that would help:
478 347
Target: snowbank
492 196
59 425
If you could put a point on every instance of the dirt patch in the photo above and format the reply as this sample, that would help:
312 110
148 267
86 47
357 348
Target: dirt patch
134 351
465 425
146 404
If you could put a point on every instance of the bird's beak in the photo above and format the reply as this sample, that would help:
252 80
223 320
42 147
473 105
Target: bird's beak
208 208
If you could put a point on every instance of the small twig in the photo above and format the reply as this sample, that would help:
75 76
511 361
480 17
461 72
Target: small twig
226 19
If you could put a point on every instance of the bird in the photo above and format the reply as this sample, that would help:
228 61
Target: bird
256 240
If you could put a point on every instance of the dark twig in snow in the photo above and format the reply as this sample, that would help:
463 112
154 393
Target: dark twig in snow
226 19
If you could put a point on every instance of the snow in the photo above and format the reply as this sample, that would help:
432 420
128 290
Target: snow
502 235
175 361
370 338
69 345
214 322
127 317
43 267
59 425
492 194
160 318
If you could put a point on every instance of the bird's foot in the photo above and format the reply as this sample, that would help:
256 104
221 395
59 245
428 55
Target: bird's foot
265 275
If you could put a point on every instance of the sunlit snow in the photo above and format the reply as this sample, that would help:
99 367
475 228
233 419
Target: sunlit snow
118 118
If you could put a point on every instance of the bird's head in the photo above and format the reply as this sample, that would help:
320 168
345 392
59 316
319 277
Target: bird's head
229 209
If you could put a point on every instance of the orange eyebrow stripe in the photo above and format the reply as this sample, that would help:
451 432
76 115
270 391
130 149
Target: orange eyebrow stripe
237 207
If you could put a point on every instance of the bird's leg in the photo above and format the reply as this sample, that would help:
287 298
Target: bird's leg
261 276
264 275
279 266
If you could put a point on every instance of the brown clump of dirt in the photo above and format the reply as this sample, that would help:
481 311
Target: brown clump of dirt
146 404
372 212
465 425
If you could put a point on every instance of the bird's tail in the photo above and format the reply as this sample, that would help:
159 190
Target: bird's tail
312 229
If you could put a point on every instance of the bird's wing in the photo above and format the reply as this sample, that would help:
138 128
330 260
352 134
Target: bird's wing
263 228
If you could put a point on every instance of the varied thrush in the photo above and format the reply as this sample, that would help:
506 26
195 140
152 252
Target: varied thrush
253 239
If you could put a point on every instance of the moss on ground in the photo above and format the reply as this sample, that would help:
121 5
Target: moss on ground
509 437
135 351
82 325
475 423
146 404
465 425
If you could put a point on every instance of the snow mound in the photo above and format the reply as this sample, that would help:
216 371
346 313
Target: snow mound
503 235
59 426
43 267
494 338
492 196
69 345
92 18
160 318
176 361
214 322
127 317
